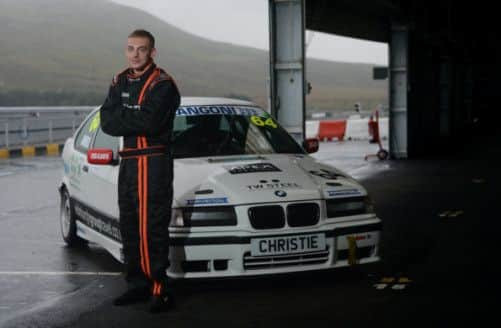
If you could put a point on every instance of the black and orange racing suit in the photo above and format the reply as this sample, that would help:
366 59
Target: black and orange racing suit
142 110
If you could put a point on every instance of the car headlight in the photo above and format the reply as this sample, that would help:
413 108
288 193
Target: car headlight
349 206
204 216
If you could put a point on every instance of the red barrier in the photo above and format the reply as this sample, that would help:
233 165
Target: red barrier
374 129
382 154
332 129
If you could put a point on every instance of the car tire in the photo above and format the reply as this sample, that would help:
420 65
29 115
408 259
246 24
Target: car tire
382 154
67 222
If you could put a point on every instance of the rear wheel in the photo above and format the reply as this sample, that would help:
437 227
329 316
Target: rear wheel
68 222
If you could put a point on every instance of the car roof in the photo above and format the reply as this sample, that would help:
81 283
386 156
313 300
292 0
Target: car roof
204 101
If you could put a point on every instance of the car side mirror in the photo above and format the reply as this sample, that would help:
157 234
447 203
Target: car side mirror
310 145
100 156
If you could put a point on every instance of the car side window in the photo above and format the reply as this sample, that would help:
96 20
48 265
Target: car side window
104 140
84 138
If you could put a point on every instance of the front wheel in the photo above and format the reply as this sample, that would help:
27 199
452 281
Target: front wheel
68 222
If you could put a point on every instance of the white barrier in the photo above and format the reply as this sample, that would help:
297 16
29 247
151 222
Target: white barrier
383 128
312 129
356 129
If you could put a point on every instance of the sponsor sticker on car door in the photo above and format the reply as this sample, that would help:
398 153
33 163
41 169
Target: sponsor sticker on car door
288 244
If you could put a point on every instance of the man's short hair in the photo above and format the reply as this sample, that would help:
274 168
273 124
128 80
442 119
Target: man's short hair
143 34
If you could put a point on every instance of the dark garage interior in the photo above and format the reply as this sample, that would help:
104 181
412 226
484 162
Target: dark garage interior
453 63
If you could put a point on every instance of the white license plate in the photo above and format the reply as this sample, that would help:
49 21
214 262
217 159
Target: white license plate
288 244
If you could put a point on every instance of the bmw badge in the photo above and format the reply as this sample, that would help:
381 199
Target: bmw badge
280 193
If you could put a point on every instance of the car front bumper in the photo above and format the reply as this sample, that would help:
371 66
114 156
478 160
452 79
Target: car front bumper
217 255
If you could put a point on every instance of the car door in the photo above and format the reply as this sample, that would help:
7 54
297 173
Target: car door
103 179
79 179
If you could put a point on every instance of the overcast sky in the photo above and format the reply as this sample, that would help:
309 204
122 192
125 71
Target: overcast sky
245 22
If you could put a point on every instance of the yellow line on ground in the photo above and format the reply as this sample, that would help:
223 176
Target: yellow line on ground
28 151
52 149
58 273
387 280
4 153
404 280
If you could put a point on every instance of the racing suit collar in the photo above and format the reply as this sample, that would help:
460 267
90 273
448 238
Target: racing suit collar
151 66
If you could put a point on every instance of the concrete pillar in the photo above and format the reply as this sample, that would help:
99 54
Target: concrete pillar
6 134
287 64
445 95
398 79
50 130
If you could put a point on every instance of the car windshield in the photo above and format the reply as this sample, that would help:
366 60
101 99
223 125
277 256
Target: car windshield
202 131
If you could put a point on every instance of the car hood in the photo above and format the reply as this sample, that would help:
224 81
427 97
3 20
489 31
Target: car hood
248 179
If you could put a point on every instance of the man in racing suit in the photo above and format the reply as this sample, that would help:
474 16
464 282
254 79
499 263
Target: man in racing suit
141 106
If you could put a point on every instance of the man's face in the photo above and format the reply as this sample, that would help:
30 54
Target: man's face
139 53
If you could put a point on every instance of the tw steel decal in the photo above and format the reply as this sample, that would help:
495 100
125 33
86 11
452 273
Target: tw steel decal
277 185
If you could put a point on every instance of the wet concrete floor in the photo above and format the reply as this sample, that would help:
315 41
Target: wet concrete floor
438 249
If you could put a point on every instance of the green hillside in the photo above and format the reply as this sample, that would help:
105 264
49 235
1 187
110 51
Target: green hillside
66 51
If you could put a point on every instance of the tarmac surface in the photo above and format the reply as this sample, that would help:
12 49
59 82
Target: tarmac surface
439 242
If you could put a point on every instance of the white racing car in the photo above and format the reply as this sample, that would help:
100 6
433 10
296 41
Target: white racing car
248 200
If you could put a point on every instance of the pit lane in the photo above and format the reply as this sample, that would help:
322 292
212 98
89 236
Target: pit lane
429 273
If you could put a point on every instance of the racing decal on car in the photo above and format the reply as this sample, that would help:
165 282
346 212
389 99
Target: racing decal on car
327 174
236 159
217 110
347 192
98 222
74 166
96 120
333 184
253 168
204 201
274 185
259 121
85 142
66 168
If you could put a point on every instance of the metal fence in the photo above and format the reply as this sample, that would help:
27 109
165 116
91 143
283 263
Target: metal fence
21 126
342 114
